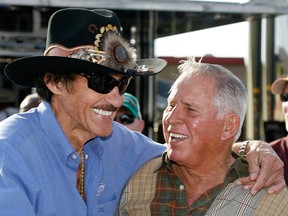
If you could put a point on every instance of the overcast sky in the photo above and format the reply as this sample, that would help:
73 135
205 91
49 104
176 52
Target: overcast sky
224 41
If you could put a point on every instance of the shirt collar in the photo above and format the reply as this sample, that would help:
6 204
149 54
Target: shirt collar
237 170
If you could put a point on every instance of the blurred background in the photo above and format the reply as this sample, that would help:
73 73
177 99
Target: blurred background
247 37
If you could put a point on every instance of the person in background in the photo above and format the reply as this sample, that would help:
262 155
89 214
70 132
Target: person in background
197 174
30 101
130 114
280 146
7 104
68 156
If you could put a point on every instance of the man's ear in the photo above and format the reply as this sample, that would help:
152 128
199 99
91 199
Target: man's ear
141 125
55 88
231 126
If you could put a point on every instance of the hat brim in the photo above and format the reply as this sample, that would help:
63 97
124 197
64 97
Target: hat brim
279 85
24 71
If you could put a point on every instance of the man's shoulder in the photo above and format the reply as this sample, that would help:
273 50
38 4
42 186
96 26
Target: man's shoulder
280 146
235 199
150 166
279 142
273 204
17 124
19 129
140 190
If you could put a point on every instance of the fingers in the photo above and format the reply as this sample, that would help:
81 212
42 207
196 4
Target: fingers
276 188
245 181
271 174
248 185
266 175
265 170
254 165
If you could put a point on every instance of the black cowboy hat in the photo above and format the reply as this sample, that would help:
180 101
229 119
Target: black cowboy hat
74 31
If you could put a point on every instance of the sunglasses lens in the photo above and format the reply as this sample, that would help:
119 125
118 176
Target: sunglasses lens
125 119
99 84
104 84
284 97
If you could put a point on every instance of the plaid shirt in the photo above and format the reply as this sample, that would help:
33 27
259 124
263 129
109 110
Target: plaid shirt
156 190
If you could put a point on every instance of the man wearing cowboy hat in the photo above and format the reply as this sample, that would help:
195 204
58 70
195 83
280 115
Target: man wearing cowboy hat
51 155
68 156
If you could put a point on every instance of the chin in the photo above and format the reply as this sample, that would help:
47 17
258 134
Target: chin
107 132
104 131
176 155
171 154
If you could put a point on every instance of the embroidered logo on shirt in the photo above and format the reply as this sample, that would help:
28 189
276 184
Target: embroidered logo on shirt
100 189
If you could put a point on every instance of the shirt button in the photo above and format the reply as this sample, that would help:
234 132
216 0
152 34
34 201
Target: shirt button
181 187
74 156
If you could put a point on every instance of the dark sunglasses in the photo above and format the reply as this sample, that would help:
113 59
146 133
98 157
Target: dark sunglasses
125 119
103 83
284 97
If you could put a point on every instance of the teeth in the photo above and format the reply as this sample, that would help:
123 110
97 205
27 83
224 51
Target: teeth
103 112
174 135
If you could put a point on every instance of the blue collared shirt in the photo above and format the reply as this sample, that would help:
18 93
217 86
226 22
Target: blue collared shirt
38 166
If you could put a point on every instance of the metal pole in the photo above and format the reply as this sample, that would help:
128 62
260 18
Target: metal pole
254 80
151 80
270 68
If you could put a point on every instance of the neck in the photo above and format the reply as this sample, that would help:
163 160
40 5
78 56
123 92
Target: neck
76 135
199 180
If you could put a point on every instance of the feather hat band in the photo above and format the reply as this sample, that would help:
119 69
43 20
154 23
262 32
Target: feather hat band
82 40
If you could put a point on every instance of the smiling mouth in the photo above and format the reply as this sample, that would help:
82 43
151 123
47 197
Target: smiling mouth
175 136
102 112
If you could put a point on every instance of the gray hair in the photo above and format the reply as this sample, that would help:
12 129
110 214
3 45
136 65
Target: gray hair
230 93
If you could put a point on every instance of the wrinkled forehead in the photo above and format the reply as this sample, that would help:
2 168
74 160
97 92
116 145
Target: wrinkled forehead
192 79
195 84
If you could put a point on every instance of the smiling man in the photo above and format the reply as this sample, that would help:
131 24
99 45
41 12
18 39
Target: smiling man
63 158
197 174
